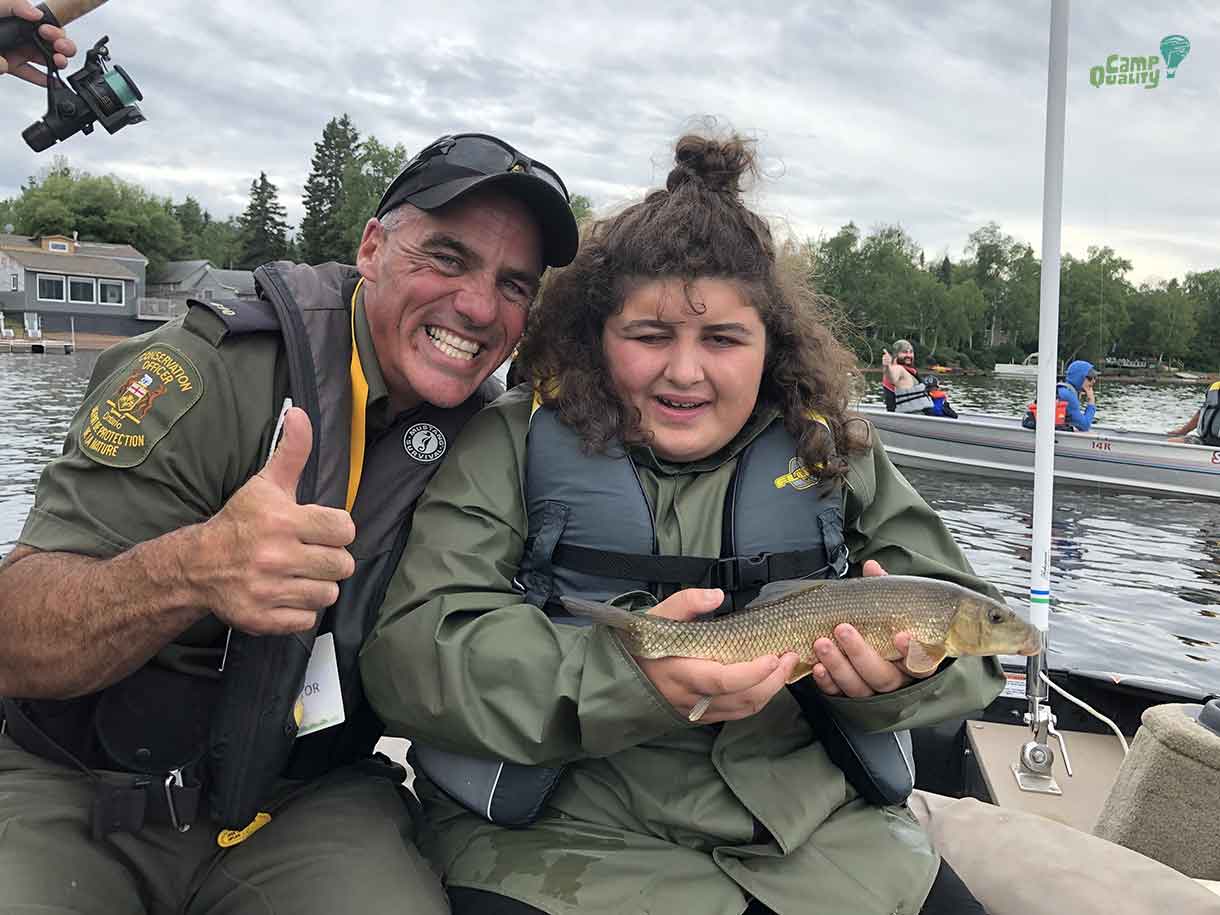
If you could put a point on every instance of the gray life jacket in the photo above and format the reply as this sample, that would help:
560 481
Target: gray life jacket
914 399
1209 417
243 720
591 534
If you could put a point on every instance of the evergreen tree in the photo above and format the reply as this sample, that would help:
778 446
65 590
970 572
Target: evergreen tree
264 227
323 237
192 218
365 179
944 272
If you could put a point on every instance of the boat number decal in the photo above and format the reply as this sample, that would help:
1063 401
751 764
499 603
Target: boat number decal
1216 457
1101 446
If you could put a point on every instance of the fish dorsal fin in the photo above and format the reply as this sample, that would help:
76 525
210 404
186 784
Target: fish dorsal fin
774 590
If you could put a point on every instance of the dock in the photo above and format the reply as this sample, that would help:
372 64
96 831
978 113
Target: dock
36 346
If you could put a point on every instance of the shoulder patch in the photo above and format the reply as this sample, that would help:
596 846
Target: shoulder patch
138 404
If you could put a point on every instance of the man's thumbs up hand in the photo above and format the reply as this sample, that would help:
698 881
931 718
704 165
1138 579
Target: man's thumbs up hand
266 564
284 466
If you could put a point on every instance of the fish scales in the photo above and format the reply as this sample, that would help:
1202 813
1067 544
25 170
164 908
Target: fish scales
944 620
878 608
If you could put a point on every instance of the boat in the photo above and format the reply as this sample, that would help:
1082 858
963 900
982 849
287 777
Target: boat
1028 368
982 444
1106 826
1126 830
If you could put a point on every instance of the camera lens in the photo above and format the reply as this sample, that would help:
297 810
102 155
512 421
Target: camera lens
38 135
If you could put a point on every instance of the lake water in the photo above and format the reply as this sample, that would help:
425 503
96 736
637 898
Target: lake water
1136 581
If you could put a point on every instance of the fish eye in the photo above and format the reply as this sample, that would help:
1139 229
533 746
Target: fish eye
995 617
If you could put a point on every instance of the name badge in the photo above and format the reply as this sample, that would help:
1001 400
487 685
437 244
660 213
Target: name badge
321 701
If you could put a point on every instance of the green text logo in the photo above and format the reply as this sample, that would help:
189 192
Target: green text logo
1139 70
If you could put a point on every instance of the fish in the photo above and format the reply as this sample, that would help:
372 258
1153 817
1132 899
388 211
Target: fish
944 620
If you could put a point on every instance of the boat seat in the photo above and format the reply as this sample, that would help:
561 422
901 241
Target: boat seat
1016 863
1165 801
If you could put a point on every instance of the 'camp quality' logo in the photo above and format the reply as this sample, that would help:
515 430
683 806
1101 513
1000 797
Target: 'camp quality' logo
1142 71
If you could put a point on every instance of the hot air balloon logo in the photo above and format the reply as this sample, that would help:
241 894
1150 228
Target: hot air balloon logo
1174 49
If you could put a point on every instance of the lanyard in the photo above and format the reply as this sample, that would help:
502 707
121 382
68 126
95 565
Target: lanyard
360 399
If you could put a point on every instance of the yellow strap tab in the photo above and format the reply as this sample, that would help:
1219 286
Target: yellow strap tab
799 475
230 837
818 418
360 399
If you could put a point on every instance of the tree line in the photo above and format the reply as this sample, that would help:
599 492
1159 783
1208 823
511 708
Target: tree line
977 310
983 308
347 175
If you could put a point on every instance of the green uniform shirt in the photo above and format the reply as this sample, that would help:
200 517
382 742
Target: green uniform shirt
143 458
653 814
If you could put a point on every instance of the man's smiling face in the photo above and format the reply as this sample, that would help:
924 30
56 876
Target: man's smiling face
446 294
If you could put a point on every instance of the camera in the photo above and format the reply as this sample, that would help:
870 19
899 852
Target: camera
93 93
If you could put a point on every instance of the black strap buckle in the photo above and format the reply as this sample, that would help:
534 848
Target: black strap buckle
839 561
119 807
174 780
127 804
741 573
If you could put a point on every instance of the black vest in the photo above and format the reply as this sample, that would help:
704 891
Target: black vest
252 737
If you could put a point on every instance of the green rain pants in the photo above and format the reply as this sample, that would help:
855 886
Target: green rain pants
344 843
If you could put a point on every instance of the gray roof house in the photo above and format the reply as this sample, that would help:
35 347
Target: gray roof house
199 279
51 281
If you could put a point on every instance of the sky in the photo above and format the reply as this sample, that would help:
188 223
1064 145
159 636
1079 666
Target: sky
929 114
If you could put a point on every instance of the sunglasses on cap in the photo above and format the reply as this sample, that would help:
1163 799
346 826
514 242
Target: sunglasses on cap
476 152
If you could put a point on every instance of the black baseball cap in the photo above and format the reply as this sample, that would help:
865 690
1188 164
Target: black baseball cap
456 164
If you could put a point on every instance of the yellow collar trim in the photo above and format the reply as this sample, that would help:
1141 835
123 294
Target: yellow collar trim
360 400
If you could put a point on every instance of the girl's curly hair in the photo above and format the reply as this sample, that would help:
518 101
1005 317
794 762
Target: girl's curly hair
697 227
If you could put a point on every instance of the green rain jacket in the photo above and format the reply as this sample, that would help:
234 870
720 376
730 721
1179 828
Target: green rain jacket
653 814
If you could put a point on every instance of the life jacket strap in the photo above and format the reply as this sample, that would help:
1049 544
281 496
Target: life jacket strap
731 573
123 802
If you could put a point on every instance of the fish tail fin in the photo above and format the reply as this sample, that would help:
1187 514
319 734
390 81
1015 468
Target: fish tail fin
605 614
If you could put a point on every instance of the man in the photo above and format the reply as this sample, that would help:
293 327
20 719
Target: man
16 60
1204 427
158 611
902 389
1077 385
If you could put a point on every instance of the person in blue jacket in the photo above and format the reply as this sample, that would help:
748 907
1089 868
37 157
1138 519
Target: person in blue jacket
1077 386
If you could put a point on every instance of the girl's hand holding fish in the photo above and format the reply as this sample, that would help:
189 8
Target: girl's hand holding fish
735 690
849 666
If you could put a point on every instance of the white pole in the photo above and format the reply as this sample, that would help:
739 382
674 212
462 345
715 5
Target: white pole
1048 349
72 321
1048 317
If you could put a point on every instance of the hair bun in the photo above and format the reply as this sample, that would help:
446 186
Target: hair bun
716 164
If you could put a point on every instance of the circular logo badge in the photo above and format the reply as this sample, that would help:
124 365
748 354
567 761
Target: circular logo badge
424 442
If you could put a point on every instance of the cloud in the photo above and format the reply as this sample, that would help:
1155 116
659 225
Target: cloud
930 115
